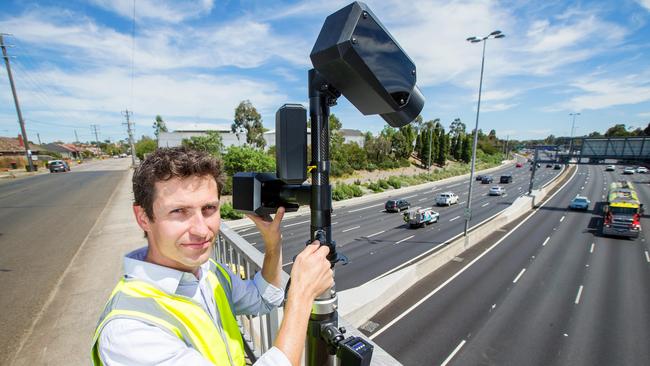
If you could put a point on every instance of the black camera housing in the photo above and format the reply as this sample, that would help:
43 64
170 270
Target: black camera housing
360 58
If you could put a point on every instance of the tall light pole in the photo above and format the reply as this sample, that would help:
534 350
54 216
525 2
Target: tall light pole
572 125
468 210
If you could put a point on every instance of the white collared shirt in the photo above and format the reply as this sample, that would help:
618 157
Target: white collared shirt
132 342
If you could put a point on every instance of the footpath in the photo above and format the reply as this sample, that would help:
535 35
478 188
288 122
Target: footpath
62 332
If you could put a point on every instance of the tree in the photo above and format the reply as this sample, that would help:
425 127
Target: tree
211 143
618 130
247 159
443 143
466 155
402 142
249 120
159 126
336 138
378 149
146 145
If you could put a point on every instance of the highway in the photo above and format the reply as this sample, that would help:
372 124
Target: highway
551 292
43 221
376 241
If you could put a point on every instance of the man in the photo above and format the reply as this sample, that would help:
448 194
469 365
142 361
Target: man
175 304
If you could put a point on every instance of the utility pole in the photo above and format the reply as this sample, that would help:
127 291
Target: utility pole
505 147
430 140
94 128
39 138
76 138
28 153
128 123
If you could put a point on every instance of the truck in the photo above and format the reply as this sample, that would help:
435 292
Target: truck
419 217
622 211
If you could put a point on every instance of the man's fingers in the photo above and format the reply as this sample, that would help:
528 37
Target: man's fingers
323 250
279 214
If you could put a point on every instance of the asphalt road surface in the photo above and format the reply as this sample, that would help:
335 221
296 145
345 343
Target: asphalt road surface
377 242
552 292
43 221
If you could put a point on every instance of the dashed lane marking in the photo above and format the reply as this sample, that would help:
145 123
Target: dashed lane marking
350 229
296 223
519 275
451 356
579 294
561 218
455 218
546 241
485 204
591 250
367 207
405 239
371 235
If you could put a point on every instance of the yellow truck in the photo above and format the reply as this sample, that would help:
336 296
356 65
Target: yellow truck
622 212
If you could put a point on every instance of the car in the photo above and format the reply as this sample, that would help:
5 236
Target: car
58 166
506 178
487 179
519 165
579 203
549 165
446 198
628 170
610 168
557 166
480 177
396 205
642 170
496 191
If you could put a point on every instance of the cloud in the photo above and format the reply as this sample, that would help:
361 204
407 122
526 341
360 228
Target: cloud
604 93
497 107
241 43
645 4
643 114
173 11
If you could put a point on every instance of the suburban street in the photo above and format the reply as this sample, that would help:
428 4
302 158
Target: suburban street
376 241
43 221
550 293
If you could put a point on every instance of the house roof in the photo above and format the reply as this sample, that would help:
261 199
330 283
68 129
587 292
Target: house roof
12 144
350 132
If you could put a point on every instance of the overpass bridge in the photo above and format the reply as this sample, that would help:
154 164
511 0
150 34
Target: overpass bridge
597 150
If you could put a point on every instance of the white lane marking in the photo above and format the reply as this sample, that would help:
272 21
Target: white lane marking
647 258
242 230
488 250
415 195
562 218
371 235
485 204
455 218
405 239
286 264
546 241
454 185
365 208
334 223
583 187
505 195
603 196
519 275
446 361
591 250
604 189
579 294
423 199
333 215
297 223
460 203
249 234
519 188
350 229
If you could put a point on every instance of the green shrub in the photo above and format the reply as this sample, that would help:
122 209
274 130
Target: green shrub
344 191
371 167
357 182
229 213
375 187
404 163
383 184
394 182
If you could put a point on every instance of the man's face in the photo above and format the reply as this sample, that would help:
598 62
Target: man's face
186 222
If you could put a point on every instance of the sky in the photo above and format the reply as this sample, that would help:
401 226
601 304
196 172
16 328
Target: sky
78 63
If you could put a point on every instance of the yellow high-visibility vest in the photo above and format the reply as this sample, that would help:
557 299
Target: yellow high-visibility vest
219 341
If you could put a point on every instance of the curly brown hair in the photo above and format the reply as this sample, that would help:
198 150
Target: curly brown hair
167 163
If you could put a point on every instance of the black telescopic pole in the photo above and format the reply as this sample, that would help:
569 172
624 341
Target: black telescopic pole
324 308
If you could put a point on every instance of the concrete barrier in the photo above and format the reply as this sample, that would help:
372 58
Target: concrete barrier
361 303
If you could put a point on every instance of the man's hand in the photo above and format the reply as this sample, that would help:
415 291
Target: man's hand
270 231
311 273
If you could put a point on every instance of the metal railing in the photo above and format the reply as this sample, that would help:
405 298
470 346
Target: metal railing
243 259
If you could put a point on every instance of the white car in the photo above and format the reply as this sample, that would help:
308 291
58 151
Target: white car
628 170
497 191
642 169
446 199
610 168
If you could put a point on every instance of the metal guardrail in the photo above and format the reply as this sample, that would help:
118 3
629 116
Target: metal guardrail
259 332
243 259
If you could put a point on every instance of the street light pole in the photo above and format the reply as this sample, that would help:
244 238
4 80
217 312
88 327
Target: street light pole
572 125
468 210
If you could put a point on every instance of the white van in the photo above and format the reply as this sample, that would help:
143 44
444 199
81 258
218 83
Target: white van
446 199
